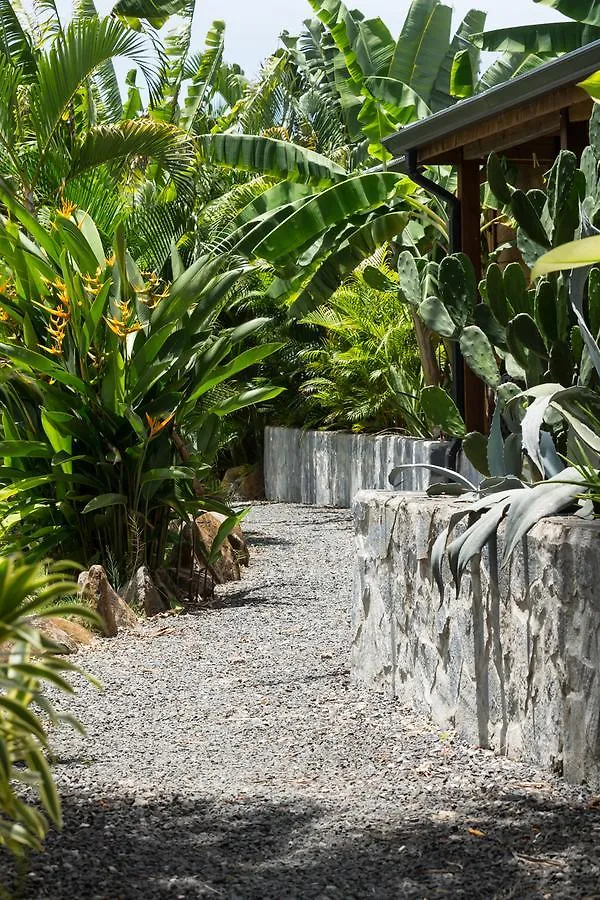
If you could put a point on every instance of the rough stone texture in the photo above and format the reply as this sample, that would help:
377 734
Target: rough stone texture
244 482
236 539
53 630
226 567
75 630
327 468
96 590
143 591
230 757
513 662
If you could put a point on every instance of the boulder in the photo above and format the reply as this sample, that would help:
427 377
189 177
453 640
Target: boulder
143 592
245 482
226 567
76 631
236 539
188 554
96 590
53 629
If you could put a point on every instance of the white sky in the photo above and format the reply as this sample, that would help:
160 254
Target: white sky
253 26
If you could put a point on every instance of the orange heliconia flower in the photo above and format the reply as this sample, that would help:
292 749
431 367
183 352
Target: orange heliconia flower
156 425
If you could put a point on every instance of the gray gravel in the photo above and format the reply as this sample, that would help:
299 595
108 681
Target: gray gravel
230 757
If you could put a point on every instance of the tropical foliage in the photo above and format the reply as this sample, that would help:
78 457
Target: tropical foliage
537 347
111 371
551 39
28 666
365 370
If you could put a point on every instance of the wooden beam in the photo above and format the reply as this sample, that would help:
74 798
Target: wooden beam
512 137
524 115
564 129
470 206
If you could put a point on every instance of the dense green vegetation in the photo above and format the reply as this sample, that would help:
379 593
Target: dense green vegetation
193 253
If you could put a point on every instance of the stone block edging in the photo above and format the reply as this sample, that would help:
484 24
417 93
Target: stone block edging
512 662
327 468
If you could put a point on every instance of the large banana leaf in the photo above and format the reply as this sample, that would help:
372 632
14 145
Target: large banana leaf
269 156
156 12
344 30
279 195
581 10
332 207
401 103
553 39
358 246
374 47
422 46
509 66
472 24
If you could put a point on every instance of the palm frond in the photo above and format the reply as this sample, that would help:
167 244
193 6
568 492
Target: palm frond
86 46
135 142
15 40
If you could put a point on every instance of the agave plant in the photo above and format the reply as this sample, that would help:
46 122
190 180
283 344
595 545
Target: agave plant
113 388
27 666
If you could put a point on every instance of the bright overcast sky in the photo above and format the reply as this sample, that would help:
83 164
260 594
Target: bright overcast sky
253 26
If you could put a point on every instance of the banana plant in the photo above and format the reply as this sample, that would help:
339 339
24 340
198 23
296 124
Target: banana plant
389 83
552 38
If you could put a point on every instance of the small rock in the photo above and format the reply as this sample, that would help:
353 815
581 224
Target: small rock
96 590
143 591
245 482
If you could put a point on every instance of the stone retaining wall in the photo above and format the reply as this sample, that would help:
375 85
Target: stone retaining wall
327 468
513 661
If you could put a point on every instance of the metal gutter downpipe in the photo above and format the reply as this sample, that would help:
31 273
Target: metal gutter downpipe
454 246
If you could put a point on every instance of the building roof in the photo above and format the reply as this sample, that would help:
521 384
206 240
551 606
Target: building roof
520 110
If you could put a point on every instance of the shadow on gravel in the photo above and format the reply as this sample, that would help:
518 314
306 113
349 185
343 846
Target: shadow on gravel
263 540
234 600
253 849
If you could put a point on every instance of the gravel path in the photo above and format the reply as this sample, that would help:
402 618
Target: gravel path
230 757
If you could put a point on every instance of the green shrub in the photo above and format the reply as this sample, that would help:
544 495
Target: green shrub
104 373
365 371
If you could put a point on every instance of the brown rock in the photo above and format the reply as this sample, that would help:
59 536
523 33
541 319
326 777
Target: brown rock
77 632
245 482
95 589
226 567
188 554
236 539
62 642
142 591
